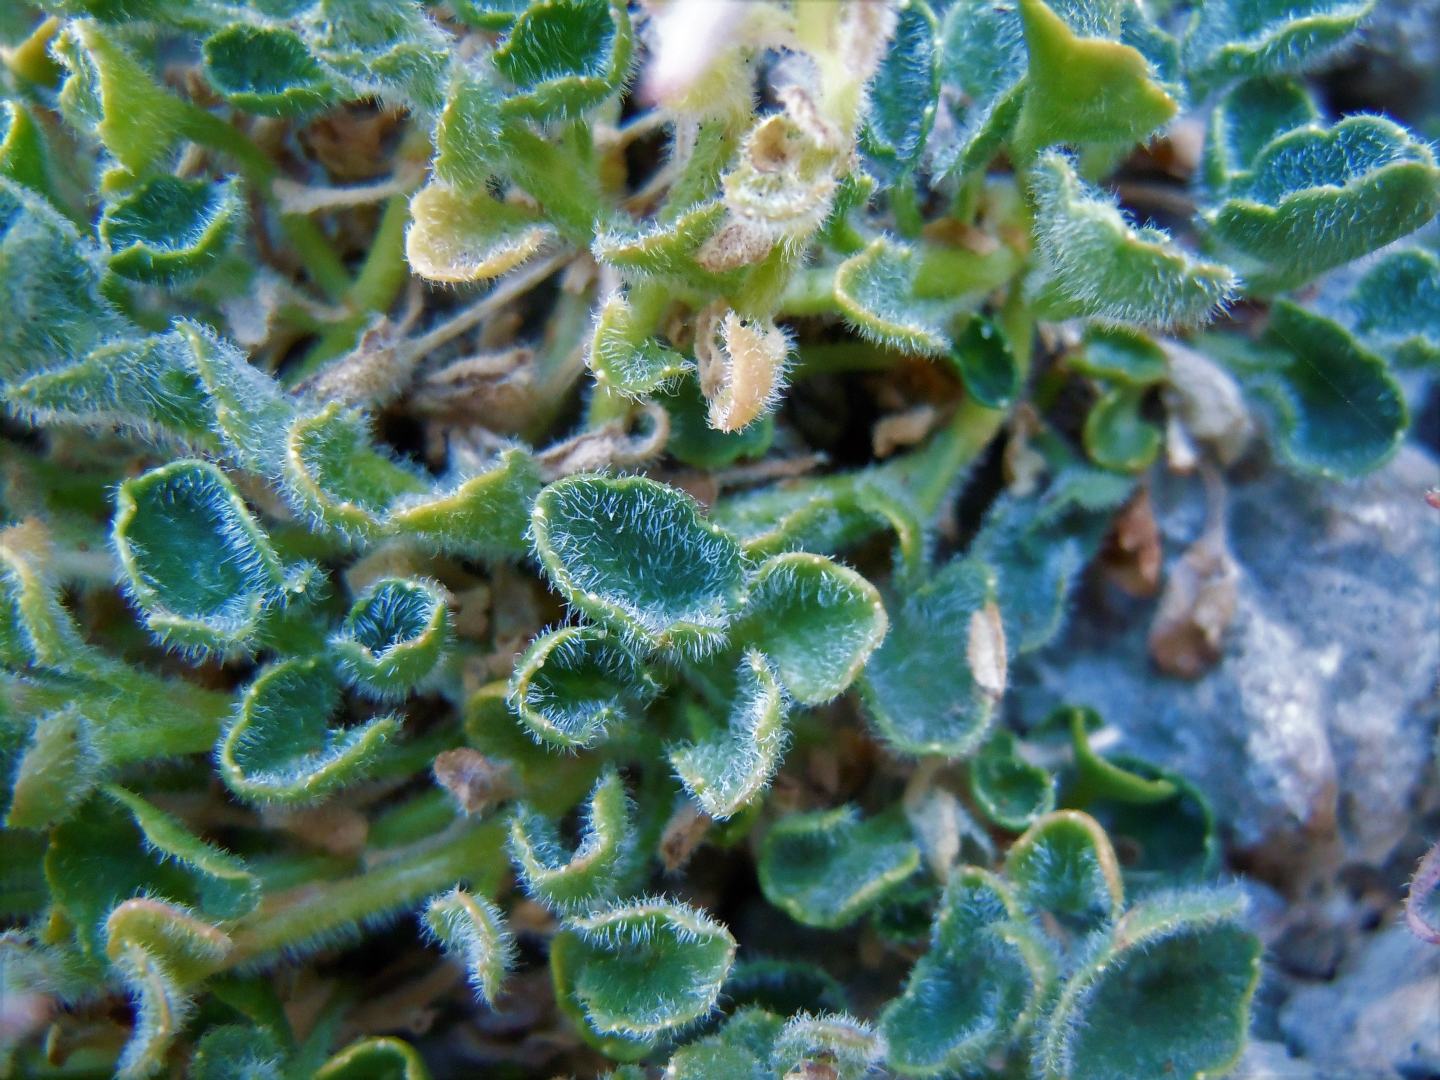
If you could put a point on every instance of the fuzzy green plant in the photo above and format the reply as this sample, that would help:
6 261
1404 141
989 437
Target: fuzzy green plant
480 502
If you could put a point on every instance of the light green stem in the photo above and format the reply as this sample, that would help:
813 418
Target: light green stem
309 916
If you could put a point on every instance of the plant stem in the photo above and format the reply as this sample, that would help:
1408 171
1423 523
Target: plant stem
305 918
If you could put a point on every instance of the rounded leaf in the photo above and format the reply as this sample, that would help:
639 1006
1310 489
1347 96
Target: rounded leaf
933 684
979 985
280 747
266 70
1009 790
55 772
1116 435
875 291
460 237
829 867
818 622
195 560
393 637
574 684
624 358
377 1057
986 363
1234 38
641 970
1064 865
1166 993
168 230
1121 356
565 56
639 557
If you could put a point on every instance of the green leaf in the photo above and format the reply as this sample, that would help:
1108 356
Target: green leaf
575 683
694 442
152 946
564 57
168 230
478 515
377 1057
1093 263
933 684
987 364
250 412
738 1051
280 747
468 136
226 887
1064 865
875 291
783 986
237 1052
1231 39
1336 410
1121 356
1036 548
1167 993
639 971
1009 790
1395 307
639 557
55 772
389 51
107 90
1084 89
903 94
837 1045
663 250
591 874
472 929
983 61
97 859
24 157
196 562
267 70
1098 777
393 637
829 867
725 771
623 357
489 14
980 984
1116 435
334 474
143 385
1163 844
818 622
1316 198
1247 119
458 237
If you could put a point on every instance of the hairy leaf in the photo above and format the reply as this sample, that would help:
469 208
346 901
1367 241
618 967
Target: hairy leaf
829 867
1010 791
565 56
1230 39
1247 119
624 357
641 970
904 91
1167 992
459 236
195 560
1095 264
1064 865
818 622
1318 197
591 874
981 982
575 683
728 769
266 70
875 290
983 61
55 771
280 746
393 636
1121 356
472 929
168 229
1395 307
639 557
933 684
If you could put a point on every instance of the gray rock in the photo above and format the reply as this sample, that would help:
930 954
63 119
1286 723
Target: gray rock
1314 733
1382 1010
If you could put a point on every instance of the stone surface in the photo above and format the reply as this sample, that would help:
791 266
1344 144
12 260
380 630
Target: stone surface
1383 1010
1314 734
